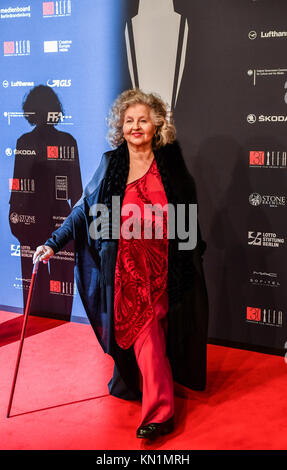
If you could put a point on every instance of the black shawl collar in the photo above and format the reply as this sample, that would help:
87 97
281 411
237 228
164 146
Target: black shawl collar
179 188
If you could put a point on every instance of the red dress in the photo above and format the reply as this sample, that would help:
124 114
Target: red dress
142 263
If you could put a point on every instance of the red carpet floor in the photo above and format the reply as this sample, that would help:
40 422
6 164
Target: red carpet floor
61 400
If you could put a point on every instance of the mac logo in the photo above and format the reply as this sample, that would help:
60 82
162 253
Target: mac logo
156 41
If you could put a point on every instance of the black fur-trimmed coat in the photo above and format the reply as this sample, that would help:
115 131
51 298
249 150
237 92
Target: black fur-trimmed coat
95 261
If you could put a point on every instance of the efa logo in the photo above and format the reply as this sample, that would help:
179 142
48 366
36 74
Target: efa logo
19 47
253 314
9 47
55 286
62 287
48 8
14 184
256 158
52 152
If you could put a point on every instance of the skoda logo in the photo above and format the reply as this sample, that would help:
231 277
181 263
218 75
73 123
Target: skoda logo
255 199
251 118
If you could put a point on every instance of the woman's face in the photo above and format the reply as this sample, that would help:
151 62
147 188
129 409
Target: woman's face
138 127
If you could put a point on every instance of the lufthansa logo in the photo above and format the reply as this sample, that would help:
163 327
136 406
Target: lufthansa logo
252 35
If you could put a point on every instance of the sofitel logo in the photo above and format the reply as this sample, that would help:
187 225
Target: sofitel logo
268 159
256 199
264 316
265 239
264 279
21 283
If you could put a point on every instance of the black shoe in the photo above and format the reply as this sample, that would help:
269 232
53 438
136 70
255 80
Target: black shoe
153 430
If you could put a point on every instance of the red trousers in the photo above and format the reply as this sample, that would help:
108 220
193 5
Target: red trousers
156 374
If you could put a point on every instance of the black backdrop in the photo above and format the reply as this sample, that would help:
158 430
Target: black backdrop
228 79
230 112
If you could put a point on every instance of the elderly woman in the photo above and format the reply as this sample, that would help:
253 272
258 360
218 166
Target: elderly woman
145 296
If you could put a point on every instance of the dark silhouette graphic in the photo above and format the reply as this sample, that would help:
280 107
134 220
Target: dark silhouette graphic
45 185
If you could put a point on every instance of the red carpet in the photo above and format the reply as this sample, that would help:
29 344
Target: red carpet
62 402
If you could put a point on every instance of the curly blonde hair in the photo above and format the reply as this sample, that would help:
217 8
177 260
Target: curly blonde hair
162 119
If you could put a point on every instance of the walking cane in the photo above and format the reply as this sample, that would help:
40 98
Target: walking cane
27 311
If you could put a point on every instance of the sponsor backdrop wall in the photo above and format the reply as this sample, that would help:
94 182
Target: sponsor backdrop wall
221 66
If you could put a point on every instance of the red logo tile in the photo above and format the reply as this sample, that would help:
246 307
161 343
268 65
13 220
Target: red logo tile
9 47
52 152
256 158
253 314
48 8
55 286
14 184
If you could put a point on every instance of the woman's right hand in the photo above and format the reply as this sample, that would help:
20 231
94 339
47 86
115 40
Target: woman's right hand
45 253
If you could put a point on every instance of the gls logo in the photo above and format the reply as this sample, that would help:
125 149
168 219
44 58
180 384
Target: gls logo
59 83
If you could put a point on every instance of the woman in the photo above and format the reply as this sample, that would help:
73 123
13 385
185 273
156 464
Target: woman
144 296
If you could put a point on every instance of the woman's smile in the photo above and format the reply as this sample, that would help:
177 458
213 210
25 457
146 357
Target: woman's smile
138 127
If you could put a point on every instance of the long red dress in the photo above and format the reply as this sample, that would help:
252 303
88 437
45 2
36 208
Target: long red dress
142 263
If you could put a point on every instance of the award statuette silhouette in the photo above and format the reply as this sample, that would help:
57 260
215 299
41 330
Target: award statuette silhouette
156 40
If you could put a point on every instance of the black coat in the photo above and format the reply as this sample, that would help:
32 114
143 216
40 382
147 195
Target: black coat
95 269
